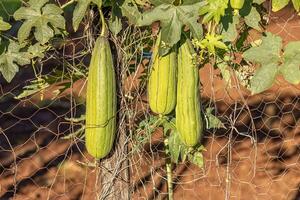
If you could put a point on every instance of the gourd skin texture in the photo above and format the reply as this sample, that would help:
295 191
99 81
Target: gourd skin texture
237 4
101 101
162 82
188 116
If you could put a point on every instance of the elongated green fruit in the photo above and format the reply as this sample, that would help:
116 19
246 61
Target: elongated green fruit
101 101
162 81
188 116
237 4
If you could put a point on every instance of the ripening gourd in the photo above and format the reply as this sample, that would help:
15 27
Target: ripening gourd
162 81
101 101
188 115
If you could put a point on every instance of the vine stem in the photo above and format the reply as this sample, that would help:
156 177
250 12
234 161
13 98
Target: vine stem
169 179
68 3
169 171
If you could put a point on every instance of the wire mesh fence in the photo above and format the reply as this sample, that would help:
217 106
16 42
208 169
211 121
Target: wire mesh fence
42 154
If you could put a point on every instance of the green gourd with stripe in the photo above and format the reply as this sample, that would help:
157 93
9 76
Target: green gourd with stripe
101 101
162 81
188 114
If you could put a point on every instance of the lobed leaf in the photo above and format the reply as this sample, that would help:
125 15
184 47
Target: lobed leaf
267 52
172 19
10 60
39 17
253 19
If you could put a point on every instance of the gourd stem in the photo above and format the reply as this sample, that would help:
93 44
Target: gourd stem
102 22
161 119
236 12
209 27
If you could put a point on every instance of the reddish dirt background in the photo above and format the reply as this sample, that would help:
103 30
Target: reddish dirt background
236 168
41 166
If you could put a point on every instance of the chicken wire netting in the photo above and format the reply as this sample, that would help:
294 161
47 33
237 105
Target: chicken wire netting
42 154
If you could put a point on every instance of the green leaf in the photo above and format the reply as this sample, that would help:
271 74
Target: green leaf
10 60
253 19
175 146
184 153
168 125
229 23
196 158
81 8
214 9
291 72
292 52
79 12
246 9
147 127
8 7
4 26
189 16
267 52
106 3
37 50
39 17
176 149
115 23
263 78
224 69
212 120
290 69
172 19
268 55
296 4
130 11
34 87
279 4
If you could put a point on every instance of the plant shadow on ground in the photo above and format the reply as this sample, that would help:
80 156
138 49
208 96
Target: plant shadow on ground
257 156
259 147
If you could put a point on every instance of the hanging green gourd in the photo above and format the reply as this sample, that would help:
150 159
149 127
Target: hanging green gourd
237 5
162 81
101 99
188 115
